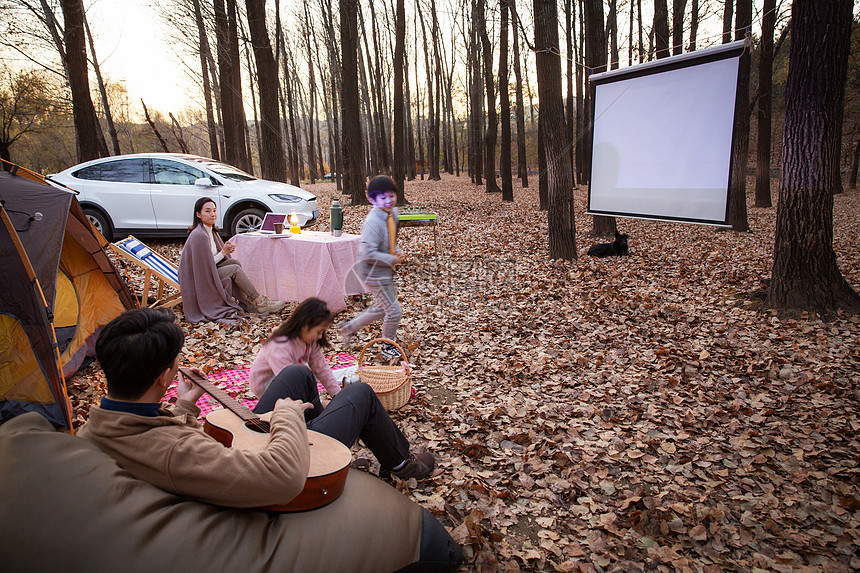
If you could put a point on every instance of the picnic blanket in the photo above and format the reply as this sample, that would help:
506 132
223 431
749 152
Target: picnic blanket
236 383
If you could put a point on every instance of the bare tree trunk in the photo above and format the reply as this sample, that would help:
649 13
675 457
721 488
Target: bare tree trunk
641 40
728 9
570 108
103 92
295 150
741 139
522 165
399 111
595 51
226 63
76 64
272 163
312 93
505 157
476 162
805 273
203 42
694 25
612 28
492 119
765 82
661 29
177 133
154 129
582 145
678 7
562 223
353 152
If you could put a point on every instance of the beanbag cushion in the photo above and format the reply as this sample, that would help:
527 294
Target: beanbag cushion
67 506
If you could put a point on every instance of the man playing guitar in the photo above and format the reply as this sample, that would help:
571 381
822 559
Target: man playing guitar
139 353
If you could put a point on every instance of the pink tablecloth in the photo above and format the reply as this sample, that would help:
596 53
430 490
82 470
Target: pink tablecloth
293 267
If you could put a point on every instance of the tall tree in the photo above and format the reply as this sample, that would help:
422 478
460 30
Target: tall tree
561 216
476 147
678 7
203 47
272 161
522 166
661 29
694 25
595 60
353 150
76 64
312 93
492 118
805 271
504 96
765 83
399 106
741 138
728 10
226 29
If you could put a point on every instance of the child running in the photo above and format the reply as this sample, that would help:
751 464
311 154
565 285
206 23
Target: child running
287 367
379 254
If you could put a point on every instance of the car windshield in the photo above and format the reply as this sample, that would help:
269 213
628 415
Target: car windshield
224 170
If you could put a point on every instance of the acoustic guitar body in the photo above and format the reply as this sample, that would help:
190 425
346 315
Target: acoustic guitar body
329 458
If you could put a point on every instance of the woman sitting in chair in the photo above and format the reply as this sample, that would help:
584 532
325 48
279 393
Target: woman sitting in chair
210 278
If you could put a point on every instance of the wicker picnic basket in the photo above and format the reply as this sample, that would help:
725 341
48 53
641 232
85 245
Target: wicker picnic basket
390 382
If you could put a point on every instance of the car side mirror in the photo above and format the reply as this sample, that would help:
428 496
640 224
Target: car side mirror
203 182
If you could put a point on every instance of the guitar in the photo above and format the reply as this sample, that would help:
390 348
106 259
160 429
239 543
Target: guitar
237 426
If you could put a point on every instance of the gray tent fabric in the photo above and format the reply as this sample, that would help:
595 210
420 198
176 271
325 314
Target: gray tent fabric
39 214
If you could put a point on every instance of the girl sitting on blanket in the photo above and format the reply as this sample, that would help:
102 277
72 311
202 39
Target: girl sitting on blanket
287 367
210 278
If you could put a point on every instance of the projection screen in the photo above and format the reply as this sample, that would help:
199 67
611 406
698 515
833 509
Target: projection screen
663 137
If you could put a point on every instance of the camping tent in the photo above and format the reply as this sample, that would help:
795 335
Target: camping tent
57 289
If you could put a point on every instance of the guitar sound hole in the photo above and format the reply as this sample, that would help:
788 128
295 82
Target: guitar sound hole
259 426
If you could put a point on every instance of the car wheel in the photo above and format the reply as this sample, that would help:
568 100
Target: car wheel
247 221
100 222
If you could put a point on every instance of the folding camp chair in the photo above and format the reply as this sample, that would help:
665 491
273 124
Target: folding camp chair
155 267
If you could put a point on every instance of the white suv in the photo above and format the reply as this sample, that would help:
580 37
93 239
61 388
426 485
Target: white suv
153 194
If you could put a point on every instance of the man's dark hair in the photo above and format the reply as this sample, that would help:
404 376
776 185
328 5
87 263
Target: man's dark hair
135 348
380 184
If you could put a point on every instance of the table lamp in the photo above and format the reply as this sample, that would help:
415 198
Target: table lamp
294 222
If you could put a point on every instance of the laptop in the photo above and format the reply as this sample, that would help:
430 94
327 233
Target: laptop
269 221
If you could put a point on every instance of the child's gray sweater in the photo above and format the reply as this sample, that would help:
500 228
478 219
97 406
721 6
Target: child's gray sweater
376 261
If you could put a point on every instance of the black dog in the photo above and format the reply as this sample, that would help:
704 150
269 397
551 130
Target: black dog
615 248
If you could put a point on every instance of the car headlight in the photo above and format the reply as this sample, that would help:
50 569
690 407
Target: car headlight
281 198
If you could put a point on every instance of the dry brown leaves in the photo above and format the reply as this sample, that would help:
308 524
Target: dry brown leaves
624 414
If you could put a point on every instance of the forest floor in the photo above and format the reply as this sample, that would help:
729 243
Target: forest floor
622 414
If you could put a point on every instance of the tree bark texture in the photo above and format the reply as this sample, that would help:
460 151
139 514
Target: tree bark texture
353 151
203 48
678 7
561 217
76 64
765 83
504 97
399 106
805 272
522 165
661 29
741 140
272 162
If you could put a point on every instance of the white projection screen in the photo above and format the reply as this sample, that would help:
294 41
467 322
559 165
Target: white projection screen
663 137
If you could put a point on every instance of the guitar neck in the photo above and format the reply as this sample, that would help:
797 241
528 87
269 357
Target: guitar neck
220 395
